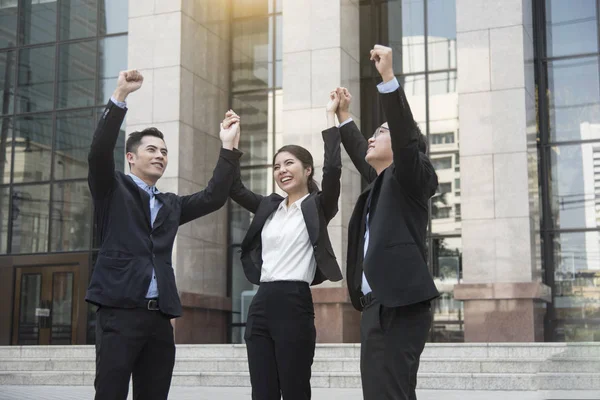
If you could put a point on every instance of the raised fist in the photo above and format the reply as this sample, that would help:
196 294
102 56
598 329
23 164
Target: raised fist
383 62
128 82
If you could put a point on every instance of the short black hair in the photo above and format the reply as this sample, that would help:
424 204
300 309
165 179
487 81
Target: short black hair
135 138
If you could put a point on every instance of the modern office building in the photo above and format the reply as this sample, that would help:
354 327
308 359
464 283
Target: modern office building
507 91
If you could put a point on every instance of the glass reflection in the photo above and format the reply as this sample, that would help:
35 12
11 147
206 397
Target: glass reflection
77 74
112 53
38 21
252 54
441 34
260 181
575 174
4 213
35 86
448 314
31 291
574 97
571 27
32 148
256 111
114 16
7 82
6 139
30 219
407 38
62 308
71 217
74 131
78 19
251 8
414 87
8 23
577 286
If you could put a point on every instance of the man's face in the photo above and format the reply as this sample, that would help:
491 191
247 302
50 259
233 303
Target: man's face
380 146
150 159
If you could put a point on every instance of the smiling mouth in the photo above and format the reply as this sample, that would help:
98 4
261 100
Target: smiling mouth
158 165
286 179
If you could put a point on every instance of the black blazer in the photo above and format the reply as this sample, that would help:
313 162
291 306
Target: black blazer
318 209
130 247
396 263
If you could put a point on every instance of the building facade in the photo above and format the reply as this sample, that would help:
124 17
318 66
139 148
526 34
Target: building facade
507 92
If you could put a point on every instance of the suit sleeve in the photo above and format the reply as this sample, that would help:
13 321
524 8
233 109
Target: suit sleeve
411 167
356 146
216 192
101 160
332 172
244 196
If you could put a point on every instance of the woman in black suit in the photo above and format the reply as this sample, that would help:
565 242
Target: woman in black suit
285 250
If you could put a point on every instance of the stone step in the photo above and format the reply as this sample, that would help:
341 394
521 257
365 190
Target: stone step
571 380
432 350
450 365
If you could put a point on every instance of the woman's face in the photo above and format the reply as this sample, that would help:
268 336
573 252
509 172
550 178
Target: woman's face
289 173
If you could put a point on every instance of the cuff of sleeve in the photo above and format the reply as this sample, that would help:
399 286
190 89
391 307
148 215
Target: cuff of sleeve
345 122
234 154
120 104
388 87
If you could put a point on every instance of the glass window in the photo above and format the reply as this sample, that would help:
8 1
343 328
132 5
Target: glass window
35 87
577 279
71 217
8 23
257 140
30 208
32 148
251 8
441 35
407 39
78 19
574 98
77 74
38 21
252 55
571 27
74 130
4 214
114 16
575 175
448 314
6 137
414 87
441 162
260 181
7 82
112 52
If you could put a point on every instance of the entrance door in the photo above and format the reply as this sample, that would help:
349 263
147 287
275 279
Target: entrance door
46 305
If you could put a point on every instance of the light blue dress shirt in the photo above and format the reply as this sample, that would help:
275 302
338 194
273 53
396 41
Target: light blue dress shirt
155 205
387 87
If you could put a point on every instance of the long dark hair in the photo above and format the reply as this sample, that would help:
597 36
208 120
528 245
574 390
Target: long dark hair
305 158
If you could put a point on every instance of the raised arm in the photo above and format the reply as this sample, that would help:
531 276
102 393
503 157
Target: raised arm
411 167
354 142
216 192
239 193
101 161
332 162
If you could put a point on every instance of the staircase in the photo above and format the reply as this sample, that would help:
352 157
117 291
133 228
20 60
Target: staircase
464 366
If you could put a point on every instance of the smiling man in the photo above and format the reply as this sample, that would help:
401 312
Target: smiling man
133 281
387 272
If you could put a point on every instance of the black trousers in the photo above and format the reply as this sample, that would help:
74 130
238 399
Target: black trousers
133 341
392 340
280 339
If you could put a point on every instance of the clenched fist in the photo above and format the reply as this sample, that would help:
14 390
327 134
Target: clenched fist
383 62
230 130
128 82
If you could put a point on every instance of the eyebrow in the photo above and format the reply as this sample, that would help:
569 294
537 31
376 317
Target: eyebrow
154 147
284 161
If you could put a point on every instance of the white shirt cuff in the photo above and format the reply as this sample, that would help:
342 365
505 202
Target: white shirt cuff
120 104
345 122
388 87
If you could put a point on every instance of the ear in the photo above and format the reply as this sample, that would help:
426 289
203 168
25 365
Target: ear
130 157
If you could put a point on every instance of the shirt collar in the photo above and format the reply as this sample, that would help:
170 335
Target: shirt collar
142 185
296 204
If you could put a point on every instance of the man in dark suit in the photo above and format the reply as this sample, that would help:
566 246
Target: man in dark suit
387 272
133 281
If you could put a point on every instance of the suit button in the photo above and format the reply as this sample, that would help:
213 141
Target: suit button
153 256
150 236
315 247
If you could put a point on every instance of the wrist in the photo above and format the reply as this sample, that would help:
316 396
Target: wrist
343 116
228 145
388 76
120 95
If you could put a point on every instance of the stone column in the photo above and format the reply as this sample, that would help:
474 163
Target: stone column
320 52
502 291
182 48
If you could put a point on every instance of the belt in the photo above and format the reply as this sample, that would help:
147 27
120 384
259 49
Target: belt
150 304
366 299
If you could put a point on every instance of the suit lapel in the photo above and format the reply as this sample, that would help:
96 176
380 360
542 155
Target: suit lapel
143 197
164 211
265 209
311 217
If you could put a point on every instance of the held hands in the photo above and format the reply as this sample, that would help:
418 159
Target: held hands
128 82
230 130
343 110
383 62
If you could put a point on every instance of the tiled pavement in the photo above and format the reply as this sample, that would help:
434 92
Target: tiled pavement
235 393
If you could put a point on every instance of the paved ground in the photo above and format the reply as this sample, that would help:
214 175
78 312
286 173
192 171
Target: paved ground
211 393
